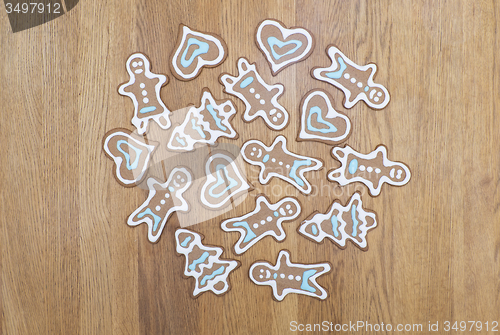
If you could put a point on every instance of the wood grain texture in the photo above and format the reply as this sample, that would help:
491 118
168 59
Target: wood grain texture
71 265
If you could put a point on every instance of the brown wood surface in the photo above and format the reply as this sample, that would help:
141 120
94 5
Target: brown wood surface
71 265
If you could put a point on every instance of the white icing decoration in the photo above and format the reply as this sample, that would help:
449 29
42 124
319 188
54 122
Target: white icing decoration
342 155
284 255
265 176
285 33
141 123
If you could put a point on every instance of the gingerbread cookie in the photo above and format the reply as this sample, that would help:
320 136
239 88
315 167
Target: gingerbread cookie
373 169
130 154
283 46
319 121
195 50
144 90
203 263
163 200
260 98
287 277
204 124
341 224
277 161
264 220
224 181
354 80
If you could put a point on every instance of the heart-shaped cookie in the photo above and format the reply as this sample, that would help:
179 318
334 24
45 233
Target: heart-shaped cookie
194 50
319 121
283 46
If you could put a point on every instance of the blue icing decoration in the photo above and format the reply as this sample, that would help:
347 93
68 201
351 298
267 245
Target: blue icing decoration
305 277
293 170
335 225
220 181
171 189
202 49
265 158
276 214
337 74
354 221
272 41
246 82
275 275
197 128
156 218
180 140
214 274
353 166
250 234
200 260
366 88
316 110
186 241
314 229
127 156
217 119
145 110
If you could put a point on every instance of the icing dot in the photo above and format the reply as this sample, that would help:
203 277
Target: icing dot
158 208
297 278
142 85
262 222
353 80
269 219
379 94
134 64
290 277
359 84
288 207
257 96
162 202
399 175
261 276
288 166
262 101
280 163
167 195
369 169
183 180
282 275
278 115
178 177
275 119
140 63
261 270
252 90
256 225
376 99
144 93
251 154
362 168
145 100
290 212
254 149
347 76
377 170
273 160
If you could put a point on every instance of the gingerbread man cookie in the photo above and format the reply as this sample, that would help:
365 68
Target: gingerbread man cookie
195 50
287 277
260 98
224 181
163 200
144 90
319 121
277 161
373 169
354 80
341 224
203 263
130 154
283 46
204 124
264 220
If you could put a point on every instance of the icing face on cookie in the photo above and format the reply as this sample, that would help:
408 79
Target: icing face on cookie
260 98
373 169
265 220
261 273
144 90
194 51
277 161
281 46
354 80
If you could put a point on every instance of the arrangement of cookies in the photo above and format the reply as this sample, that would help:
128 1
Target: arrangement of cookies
223 180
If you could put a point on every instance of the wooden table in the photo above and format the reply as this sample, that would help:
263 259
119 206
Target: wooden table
71 265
